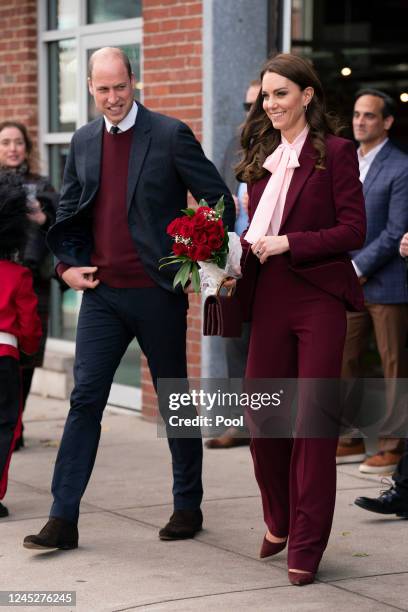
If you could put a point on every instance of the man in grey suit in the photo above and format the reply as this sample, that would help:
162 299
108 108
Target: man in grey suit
126 178
384 174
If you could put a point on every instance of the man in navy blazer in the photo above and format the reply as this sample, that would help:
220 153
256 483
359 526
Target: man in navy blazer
384 174
127 176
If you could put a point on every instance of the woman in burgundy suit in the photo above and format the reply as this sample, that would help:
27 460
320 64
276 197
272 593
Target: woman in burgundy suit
306 213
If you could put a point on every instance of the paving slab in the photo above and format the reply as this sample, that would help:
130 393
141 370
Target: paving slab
390 589
122 563
280 599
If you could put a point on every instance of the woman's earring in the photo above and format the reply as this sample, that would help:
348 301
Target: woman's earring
305 107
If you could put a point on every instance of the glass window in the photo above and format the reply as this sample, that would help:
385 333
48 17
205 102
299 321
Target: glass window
62 73
354 45
62 14
100 11
57 158
133 53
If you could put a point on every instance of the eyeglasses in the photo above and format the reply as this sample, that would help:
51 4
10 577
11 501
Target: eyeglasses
247 106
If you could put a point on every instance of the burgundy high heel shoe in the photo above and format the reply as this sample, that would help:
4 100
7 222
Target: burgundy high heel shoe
301 579
268 549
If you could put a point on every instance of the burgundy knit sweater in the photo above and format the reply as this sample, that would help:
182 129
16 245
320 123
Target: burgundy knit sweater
115 253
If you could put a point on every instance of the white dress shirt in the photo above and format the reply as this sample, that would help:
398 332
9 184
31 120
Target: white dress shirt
365 161
126 123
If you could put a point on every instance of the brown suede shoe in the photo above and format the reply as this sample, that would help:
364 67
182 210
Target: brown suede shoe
350 453
57 533
183 524
383 462
230 438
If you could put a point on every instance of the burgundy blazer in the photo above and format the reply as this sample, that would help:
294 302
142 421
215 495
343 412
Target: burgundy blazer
323 218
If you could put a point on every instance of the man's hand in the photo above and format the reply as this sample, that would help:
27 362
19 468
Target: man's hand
404 246
188 288
80 278
270 245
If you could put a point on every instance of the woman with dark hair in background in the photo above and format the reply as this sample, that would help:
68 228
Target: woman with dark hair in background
15 157
306 212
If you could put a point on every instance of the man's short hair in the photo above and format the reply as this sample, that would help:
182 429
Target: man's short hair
116 51
389 107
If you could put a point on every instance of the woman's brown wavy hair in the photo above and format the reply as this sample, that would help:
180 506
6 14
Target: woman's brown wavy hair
259 138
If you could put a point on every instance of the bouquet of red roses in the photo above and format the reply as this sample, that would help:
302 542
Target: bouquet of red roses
199 235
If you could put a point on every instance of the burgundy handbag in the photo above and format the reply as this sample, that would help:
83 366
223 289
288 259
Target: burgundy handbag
222 316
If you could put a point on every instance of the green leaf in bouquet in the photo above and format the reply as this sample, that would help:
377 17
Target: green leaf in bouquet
190 212
173 259
183 274
219 207
195 278
202 202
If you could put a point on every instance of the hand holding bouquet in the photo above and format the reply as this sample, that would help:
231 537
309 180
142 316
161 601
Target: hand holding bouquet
200 237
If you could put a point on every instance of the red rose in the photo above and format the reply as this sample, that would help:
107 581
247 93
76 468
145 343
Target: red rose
199 220
215 242
216 230
199 236
202 252
172 228
180 249
203 210
185 227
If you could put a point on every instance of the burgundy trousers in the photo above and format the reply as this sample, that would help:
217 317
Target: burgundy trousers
298 331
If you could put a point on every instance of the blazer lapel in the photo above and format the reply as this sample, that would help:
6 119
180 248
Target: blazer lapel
140 145
307 160
376 167
93 156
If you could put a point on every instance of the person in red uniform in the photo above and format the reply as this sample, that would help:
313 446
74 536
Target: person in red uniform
20 325
306 212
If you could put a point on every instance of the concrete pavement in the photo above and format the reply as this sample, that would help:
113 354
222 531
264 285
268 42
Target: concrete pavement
122 565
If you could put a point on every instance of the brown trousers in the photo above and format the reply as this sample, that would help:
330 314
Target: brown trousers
390 325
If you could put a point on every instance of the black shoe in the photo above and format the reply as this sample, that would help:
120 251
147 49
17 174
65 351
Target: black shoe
57 533
389 502
3 511
183 524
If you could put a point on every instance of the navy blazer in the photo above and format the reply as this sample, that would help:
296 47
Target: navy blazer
386 198
165 162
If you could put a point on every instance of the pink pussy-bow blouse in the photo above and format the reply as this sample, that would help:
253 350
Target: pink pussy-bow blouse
268 215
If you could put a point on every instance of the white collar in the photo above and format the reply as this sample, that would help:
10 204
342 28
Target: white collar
126 123
369 157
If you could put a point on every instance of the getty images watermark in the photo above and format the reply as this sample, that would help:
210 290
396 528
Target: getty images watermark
210 407
283 407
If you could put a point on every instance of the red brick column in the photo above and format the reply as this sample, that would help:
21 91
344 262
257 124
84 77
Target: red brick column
18 63
172 47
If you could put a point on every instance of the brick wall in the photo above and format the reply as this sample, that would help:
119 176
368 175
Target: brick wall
172 47
18 63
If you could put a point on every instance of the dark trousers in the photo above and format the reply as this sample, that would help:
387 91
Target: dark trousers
109 319
9 415
298 331
401 473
